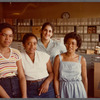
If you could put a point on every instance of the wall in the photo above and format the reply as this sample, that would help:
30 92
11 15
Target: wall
1 10
51 9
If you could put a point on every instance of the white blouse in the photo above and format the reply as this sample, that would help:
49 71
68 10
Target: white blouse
38 69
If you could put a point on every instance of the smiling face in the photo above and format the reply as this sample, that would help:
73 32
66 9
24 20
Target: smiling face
71 45
6 37
47 32
30 45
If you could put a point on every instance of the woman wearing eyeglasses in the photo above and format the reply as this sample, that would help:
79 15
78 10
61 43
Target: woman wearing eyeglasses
12 77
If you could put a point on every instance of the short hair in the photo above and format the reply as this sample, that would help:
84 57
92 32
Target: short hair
75 36
6 25
46 24
27 35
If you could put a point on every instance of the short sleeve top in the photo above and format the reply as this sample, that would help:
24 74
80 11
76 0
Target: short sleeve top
8 66
38 69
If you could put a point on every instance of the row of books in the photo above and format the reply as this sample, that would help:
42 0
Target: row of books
88 45
24 29
17 45
78 29
58 21
62 29
78 21
36 29
88 37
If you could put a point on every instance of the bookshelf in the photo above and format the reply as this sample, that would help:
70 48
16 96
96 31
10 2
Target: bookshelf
88 28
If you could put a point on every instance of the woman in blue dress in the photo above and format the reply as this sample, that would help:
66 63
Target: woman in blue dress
70 74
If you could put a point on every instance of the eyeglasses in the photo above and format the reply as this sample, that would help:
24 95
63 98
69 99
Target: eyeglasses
66 44
5 35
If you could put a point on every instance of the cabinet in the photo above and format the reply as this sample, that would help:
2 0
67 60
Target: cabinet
93 73
97 79
88 28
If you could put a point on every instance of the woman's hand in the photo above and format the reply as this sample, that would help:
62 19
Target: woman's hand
44 88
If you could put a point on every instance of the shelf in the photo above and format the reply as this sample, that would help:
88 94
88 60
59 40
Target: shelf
88 28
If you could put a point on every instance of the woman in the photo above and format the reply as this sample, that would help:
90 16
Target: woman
12 77
46 44
37 68
70 74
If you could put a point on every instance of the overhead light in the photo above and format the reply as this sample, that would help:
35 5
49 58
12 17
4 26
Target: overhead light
15 13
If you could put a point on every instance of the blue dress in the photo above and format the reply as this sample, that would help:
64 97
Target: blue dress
71 85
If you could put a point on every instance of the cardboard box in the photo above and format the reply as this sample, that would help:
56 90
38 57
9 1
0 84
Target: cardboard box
36 30
96 79
89 51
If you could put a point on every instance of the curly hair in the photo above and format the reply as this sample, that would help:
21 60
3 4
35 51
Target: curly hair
75 36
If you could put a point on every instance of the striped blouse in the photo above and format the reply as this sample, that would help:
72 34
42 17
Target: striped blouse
8 66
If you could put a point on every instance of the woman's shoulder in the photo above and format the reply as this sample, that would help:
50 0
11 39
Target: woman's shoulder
39 40
56 42
15 50
60 55
16 53
59 44
82 58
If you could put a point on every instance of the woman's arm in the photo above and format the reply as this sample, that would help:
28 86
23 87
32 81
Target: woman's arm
45 86
3 93
21 78
56 76
84 74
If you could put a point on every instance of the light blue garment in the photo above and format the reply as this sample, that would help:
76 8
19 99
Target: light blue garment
70 78
54 48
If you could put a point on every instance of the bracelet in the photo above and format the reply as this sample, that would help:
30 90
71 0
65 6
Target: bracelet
57 95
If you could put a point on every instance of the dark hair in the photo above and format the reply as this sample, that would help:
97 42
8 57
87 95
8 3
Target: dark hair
45 24
27 35
75 36
6 25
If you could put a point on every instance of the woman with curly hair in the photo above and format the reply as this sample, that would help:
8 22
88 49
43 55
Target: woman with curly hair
70 74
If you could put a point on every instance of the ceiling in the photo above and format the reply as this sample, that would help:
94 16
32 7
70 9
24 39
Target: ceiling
48 9
12 9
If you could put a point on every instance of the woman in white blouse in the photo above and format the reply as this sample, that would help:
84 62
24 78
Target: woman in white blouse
37 68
